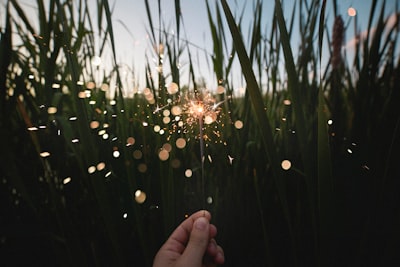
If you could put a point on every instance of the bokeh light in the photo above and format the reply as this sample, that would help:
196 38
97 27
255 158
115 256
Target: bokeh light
91 169
137 154
163 154
101 166
67 180
142 168
172 88
351 11
238 124
130 141
180 143
188 173
286 164
140 196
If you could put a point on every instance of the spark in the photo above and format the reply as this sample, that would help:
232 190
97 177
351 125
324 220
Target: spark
158 109
230 159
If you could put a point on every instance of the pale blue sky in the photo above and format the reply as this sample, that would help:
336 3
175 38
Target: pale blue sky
133 45
133 15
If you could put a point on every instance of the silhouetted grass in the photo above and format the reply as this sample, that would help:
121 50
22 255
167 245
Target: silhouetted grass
78 160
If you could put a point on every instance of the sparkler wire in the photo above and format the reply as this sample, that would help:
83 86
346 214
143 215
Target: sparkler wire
202 161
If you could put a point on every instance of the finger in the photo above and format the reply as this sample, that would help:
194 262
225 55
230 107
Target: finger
215 253
198 242
180 237
219 258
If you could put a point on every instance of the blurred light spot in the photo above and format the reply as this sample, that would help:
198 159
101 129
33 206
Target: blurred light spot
65 90
102 132
163 154
45 154
67 180
75 140
101 166
82 95
90 85
220 89
104 87
166 112
209 200
145 124
94 124
73 118
96 61
188 173
167 147
287 102
161 132
180 143
365 167
116 154
130 141
80 83
108 174
166 120
31 77
10 92
330 122
172 88
286 164
125 215
140 196
175 163
142 167
349 151
176 110
238 124
156 128
32 128
137 154
210 118
113 102
351 11
105 136
91 169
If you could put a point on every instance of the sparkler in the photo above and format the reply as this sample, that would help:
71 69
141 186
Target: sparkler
192 111
203 109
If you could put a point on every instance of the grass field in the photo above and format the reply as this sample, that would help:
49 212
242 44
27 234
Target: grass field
300 170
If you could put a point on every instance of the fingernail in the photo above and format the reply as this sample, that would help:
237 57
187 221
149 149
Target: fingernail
201 223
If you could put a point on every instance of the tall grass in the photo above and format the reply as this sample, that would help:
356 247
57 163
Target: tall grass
83 178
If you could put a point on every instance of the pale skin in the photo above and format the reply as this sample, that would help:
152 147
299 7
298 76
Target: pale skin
192 244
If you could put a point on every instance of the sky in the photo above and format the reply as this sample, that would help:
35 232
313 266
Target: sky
130 25
132 15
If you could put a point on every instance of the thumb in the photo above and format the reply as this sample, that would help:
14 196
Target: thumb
198 242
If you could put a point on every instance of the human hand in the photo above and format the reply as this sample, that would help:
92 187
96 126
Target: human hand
192 244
